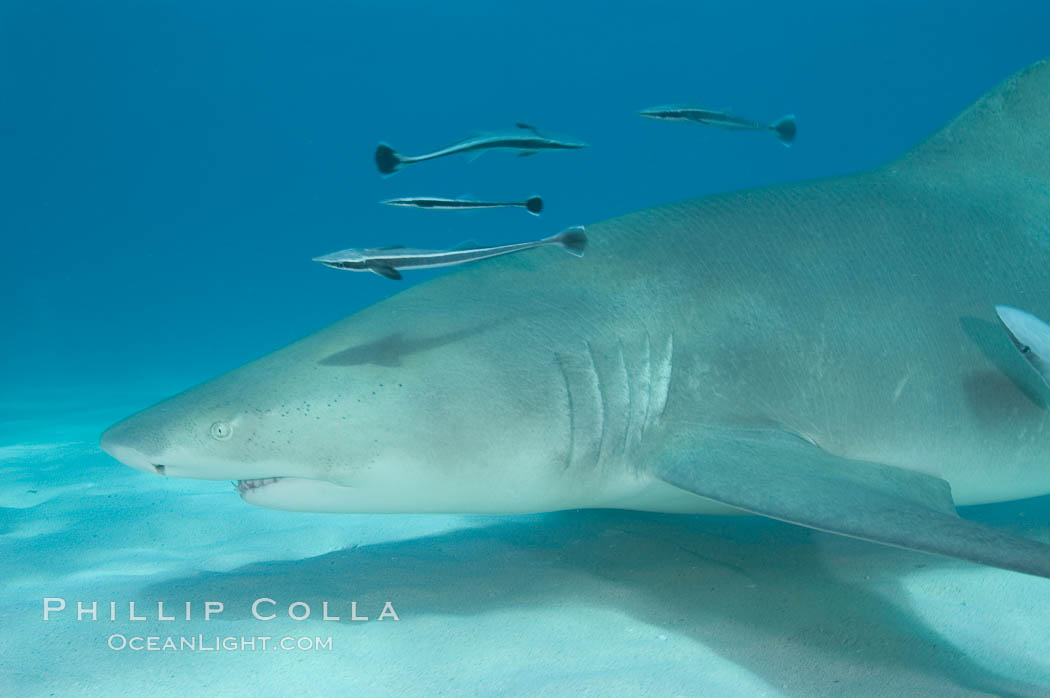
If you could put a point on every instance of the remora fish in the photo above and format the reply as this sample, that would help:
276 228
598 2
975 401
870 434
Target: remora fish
784 128
386 261
527 140
533 204
840 366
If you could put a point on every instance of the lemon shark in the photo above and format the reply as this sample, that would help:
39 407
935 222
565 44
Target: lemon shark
826 353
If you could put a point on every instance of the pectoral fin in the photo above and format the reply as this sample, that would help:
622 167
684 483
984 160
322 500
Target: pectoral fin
1030 335
779 475
386 271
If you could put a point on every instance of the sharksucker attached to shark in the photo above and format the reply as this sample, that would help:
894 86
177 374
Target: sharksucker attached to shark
826 353
387 261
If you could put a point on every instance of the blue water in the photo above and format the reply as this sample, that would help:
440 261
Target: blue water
168 170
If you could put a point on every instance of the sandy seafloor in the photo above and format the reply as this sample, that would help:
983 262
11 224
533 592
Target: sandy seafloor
574 603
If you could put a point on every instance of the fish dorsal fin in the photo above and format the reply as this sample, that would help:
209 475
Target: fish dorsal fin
1007 131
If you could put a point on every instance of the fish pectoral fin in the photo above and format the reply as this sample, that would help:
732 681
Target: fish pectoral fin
779 475
385 271
1031 337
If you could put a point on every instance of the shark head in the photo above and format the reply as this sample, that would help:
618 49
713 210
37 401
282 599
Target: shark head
392 410
199 434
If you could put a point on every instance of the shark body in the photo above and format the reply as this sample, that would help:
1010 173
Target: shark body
826 353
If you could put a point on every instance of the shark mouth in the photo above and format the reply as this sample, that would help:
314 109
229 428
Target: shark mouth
246 486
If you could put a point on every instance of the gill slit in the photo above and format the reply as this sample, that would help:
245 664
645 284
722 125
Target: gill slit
572 412
630 398
601 400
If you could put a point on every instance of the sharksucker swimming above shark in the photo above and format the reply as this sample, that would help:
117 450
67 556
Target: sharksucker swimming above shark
533 204
527 140
784 128
387 261
826 353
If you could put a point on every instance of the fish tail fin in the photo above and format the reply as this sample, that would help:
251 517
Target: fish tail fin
534 205
785 129
388 160
574 240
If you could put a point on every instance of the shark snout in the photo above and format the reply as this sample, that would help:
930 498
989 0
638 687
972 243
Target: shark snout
119 441
207 448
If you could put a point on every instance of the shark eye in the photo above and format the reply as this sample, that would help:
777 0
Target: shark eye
221 431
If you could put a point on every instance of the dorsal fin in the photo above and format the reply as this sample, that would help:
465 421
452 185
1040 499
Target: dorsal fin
1006 130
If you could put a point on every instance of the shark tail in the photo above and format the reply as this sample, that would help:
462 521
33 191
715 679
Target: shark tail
388 160
534 205
785 129
574 240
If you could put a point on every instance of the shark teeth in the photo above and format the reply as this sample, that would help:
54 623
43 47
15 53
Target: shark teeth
245 486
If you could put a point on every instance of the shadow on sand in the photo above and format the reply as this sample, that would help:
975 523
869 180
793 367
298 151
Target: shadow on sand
809 613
